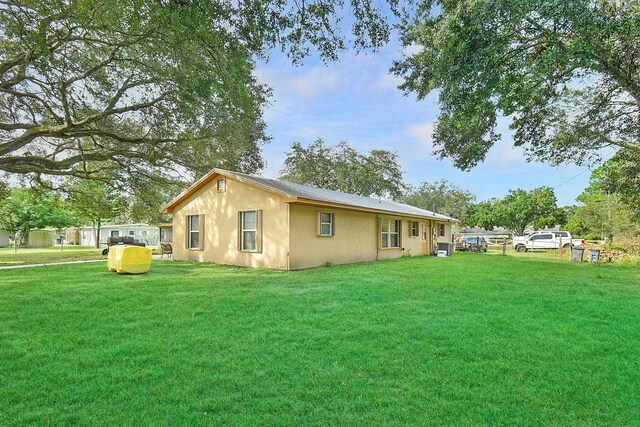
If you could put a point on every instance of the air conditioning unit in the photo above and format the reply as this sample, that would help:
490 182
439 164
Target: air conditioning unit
448 247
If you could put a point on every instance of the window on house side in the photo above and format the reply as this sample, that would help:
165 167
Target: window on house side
132 233
326 224
193 224
115 233
249 222
415 229
441 230
221 185
390 233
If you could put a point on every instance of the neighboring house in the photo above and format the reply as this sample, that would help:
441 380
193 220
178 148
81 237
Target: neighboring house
144 233
166 232
496 233
4 238
41 238
234 218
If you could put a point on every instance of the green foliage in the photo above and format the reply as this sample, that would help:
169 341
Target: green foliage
484 214
123 82
93 201
145 199
565 72
442 197
342 168
5 191
518 210
151 86
26 209
607 206
620 176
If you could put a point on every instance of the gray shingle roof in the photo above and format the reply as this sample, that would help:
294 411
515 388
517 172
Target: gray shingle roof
308 192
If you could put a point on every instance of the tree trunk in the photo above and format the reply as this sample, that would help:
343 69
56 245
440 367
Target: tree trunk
24 237
96 228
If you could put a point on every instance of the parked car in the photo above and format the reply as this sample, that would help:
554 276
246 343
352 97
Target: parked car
545 240
476 243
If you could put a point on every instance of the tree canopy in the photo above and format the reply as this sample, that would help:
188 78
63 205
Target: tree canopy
566 73
518 210
442 197
342 168
152 86
609 205
620 176
29 208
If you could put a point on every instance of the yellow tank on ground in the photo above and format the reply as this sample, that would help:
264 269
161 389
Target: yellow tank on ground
129 259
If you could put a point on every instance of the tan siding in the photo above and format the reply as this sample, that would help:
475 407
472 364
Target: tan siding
289 231
355 240
447 232
220 211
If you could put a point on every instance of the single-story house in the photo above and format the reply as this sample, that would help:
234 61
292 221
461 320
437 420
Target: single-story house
4 238
239 219
144 233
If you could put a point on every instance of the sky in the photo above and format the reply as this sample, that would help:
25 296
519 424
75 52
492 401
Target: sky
357 100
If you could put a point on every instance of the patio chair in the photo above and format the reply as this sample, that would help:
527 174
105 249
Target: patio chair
166 248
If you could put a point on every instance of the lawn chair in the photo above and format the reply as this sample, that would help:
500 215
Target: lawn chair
166 248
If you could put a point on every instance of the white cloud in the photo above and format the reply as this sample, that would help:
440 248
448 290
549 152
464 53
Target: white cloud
423 133
302 84
412 49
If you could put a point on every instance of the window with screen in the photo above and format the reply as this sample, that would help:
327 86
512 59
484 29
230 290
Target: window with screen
390 233
193 234
250 231
326 224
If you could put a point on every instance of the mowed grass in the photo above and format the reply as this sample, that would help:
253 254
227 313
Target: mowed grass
471 339
8 256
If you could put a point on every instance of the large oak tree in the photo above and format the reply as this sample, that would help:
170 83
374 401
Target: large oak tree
151 85
566 73
341 168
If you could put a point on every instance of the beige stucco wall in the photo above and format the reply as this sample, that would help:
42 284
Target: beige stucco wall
289 231
447 232
221 226
355 240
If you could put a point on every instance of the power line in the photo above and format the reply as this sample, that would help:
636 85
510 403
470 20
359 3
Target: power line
586 169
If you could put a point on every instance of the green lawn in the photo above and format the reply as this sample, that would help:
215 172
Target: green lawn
471 339
47 255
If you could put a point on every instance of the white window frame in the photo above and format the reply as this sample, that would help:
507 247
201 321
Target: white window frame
132 233
389 233
191 232
442 230
114 235
330 224
243 230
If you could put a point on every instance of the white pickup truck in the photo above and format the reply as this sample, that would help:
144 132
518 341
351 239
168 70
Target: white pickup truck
544 240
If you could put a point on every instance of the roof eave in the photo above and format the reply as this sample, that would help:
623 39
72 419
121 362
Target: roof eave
365 209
